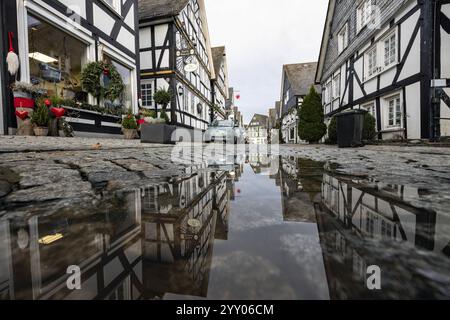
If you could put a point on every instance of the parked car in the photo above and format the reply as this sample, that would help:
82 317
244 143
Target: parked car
225 131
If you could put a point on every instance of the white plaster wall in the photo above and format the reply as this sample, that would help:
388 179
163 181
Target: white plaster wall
146 60
102 20
371 85
165 58
129 19
145 38
413 110
412 64
77 6
126 39
160 34
387 77
445 113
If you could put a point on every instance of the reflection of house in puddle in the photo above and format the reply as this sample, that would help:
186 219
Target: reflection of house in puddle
140 246
180 223
300 182
263 164
35 254
355 211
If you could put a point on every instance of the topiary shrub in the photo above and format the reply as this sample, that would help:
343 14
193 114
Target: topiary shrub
369 128
332 131
163 115
163 98
311 126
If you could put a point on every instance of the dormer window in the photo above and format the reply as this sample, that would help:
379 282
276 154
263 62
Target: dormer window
343 38
364 14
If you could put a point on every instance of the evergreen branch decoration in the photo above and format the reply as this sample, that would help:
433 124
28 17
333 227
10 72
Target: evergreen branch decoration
91 80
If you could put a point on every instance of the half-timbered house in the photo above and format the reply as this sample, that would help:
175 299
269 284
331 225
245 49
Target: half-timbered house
55 39
389 58
297 79
219 83
257 130
175 54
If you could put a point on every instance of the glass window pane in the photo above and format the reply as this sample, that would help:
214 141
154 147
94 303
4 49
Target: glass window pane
56 60
125 73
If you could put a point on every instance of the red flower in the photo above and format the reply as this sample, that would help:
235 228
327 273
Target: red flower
48 103
141 121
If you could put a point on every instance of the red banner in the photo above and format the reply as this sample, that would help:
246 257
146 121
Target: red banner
23 103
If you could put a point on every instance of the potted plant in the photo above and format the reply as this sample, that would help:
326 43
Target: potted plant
157 129
24 126
162 97
40 119
129 126
23 100
54 104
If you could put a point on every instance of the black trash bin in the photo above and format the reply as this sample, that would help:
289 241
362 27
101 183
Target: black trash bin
350 128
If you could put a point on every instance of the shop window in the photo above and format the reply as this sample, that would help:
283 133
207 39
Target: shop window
125 73
55 60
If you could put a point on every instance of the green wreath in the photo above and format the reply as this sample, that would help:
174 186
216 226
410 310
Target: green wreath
90 80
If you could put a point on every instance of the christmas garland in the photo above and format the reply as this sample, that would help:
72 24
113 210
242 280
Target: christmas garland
91 80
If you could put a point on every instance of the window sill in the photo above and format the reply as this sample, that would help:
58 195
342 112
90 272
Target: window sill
385 69
392 129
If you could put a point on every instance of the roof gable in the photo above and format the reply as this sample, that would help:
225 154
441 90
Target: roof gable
160 8
300 77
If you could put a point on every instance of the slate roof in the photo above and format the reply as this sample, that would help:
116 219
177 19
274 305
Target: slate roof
261 119
218 54
301 76
160 8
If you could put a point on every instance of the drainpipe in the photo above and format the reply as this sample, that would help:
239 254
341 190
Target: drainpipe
428 104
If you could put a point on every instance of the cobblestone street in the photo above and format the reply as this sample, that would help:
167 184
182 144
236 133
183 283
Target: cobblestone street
49 169
95 186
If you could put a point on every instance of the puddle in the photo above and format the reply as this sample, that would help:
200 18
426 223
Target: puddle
263 227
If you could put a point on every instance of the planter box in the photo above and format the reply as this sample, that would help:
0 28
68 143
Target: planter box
93 122
157 133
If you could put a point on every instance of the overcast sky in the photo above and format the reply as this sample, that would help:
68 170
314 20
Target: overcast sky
261 36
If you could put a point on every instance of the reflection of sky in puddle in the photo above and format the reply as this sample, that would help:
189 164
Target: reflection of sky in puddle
276 228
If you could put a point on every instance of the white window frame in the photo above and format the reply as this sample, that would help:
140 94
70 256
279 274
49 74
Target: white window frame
386 111
370 66
394 47
364 14
336 87
379 49
146 83
343 38
116 5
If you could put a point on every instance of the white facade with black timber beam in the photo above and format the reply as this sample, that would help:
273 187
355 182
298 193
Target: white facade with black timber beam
382 56
65 35
175 54
220 83
297 80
